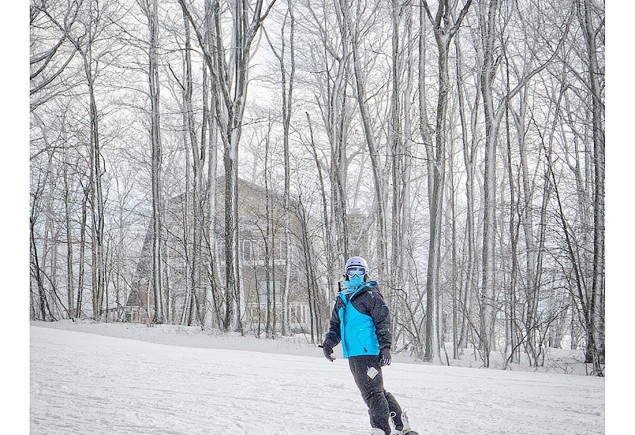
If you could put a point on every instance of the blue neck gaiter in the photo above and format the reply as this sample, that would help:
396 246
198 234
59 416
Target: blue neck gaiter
353 283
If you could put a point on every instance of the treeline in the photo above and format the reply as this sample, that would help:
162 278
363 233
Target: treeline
465 139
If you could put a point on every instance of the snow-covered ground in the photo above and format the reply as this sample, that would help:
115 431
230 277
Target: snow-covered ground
179 381
555 360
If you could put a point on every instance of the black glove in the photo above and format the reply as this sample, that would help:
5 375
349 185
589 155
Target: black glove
385 356
328 351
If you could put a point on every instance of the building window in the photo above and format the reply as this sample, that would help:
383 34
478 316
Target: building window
252 251
247 250
281 251
274 286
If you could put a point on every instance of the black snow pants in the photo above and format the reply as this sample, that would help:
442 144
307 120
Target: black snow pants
379 401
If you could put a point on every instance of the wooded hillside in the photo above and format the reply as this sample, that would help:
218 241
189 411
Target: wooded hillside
468 135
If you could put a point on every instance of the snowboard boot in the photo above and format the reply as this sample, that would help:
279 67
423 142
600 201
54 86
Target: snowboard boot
400 424
377 431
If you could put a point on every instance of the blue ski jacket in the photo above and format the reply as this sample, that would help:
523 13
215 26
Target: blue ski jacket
360 321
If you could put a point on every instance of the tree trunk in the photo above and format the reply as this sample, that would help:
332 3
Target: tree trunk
82 253
155 143
36 272
209 230
70 295
97 203
443 31
511 344
595 336
488 22
270 318
287 100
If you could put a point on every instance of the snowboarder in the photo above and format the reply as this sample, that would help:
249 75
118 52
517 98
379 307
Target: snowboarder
361 322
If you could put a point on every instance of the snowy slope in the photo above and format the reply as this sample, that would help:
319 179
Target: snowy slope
85 383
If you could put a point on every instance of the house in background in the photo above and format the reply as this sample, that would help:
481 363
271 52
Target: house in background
262 264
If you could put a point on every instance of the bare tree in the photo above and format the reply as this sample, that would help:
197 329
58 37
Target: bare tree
232 82
150 10
287 105
49 63
484 218
595 335
350 26
444 27
332 59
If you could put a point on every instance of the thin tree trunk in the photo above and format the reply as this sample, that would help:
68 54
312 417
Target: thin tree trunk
511 342
82 252
97 207
406 262
69 241
444 31
336 122
270 318
212 126
198 162
155 143
287 100
488 22
595 336
396 160
325 216
36 271
469 155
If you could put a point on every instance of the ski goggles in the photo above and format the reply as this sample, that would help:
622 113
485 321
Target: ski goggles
359 271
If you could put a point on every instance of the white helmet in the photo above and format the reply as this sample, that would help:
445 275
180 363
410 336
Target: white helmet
357 261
